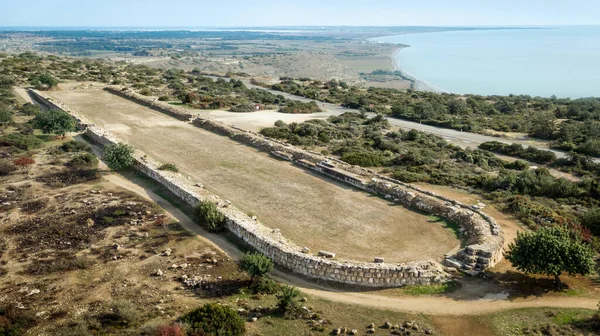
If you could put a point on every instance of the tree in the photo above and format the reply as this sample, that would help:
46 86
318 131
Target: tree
207 215
215 320
543 125
118 156
551 251
44 80
256 264
54 122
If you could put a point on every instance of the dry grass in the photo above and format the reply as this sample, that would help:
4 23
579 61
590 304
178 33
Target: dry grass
308 210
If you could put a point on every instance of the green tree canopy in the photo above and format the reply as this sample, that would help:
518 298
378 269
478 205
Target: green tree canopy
119 156
6 116
54 122
551 251
44 80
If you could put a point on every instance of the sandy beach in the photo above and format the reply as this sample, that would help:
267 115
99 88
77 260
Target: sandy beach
417 84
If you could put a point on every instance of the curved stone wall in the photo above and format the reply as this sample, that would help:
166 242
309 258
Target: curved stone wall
270 242
484 236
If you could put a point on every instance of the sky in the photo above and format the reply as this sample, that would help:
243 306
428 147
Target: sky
231 13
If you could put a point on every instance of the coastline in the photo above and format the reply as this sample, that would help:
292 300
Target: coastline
416 84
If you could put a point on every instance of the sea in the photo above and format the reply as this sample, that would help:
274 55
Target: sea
538 61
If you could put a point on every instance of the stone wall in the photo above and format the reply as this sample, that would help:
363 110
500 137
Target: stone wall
484 236
173 111
270 242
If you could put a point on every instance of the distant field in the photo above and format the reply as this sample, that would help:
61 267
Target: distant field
308 210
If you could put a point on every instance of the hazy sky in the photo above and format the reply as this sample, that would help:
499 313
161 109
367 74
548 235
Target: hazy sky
197 13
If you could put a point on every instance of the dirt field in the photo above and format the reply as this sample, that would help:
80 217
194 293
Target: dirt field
308 210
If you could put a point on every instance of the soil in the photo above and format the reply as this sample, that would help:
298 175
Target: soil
308 209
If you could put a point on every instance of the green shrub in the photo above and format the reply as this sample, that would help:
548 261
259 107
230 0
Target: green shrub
75 146
29 109
214 320
264 285
591 220
287 303
83 161
169 167
256 264
119 156
207 215
21 141
6 116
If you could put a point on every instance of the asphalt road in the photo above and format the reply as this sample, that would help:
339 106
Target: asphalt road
462 139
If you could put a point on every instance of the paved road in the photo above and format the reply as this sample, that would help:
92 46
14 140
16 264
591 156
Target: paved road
462 139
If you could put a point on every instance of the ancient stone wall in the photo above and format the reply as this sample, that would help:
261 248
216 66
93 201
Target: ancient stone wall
484 236
173 111
270 242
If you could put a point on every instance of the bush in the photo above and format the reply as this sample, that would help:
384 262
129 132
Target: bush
126 312
6 116
264 285
14 322
256 264
214 319
286 301
29 109
83 161
591 220
169 167
6 167
169 330
24 161
21 141
243 108
119 156
207 215
75 146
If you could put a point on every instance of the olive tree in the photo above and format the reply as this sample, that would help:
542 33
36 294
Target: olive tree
551 251
54 122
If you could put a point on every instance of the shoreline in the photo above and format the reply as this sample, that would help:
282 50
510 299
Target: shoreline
416 84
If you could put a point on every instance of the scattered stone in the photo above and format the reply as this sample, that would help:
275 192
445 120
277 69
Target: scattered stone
371 331
353 332
116 246
305 250
372 325
304 299
33 292
90 222
337 331
428 331
158 273
167 252
254 319
378 260
387 325
326 254
254 218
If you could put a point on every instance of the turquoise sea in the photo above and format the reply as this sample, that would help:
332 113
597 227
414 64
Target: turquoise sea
561 61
